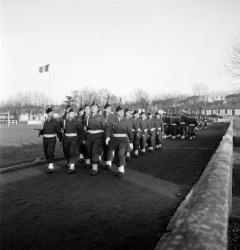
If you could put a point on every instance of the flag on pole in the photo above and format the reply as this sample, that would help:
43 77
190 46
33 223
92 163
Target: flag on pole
44 68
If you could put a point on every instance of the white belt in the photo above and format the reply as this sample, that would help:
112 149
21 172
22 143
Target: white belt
49 135
191 125
152 129
182 122
174 124
95 131
145 130
70 134
119 135
165 123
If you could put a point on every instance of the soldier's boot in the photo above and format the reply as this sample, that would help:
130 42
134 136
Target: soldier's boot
50 168
81 158
183 137
150 149
120 172
87 163
143 151
128 156
135 154
71 169
109 165
173 137
94 170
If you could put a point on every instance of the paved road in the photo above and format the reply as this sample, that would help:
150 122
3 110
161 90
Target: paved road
61 211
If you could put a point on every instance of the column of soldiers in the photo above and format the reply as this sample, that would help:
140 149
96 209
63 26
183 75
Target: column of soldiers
101 137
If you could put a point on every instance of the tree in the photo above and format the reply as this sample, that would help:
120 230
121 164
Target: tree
199 89
233 64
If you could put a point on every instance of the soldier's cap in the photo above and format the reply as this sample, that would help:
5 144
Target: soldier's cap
48 110
126 110
107 105
143 113
70 110
149 113
118 108
157 113
94 104
68 106
86 105
135 112
81 109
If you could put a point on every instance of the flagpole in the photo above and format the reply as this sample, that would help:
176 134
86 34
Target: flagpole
49 86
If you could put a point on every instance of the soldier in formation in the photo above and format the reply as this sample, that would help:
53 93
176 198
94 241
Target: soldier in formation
99 138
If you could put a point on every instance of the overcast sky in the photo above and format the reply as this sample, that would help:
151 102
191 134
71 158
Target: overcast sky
160 46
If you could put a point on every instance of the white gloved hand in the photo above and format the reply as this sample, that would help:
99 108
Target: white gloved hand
131 146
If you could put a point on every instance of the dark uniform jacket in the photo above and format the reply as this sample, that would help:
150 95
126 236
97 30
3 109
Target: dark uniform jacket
52 126
158 124
117 126
95 122
72 126
136 124
144 125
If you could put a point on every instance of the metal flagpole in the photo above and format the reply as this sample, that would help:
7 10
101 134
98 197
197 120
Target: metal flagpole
49 86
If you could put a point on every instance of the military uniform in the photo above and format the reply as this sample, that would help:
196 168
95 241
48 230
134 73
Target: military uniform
130 121
73 133
94 140
136 132
151 132
108 117
118 135
50 130
144 134
158 126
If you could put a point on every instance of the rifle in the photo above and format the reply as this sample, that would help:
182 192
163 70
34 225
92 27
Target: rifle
40 131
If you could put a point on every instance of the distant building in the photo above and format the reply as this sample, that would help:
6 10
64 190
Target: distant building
223 110
233 99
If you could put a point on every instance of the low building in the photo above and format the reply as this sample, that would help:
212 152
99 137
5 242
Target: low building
221 110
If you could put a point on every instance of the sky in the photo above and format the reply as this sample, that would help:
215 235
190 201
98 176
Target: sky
160 46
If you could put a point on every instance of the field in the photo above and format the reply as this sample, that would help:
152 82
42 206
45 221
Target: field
62 211
20 144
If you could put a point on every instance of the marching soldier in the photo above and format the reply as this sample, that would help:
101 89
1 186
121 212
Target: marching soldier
165 126
72 128
173 126
192 123
118 136
95 137
50 130
183 126
128 117
158 125
108 118
151 133
87 111
136 133
144 133
80 142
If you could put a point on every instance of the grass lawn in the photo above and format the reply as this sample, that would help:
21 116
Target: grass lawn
21 144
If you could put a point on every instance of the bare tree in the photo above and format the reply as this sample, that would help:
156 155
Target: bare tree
199 89
233 64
